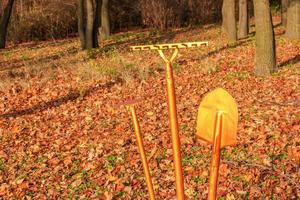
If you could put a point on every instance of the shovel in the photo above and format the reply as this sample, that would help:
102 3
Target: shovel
217 124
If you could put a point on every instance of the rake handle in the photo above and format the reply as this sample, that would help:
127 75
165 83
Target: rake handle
215 162
171 96
142 152
172 110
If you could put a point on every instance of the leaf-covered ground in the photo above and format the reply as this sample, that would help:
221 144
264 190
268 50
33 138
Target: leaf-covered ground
61 136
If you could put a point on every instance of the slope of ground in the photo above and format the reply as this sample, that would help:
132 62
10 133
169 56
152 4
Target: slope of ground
61 137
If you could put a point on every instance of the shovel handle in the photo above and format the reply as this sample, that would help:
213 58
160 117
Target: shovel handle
215 162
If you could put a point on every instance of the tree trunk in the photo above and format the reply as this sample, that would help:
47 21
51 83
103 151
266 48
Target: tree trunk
81 26
284 6
21 9
97 21
89 33
4 21
293 20
243 19
229 21
265 41
105 22
88 22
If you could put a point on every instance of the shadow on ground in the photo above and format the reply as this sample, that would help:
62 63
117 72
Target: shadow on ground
18 63
72 96
290 61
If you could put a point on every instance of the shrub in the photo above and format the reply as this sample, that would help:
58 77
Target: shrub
204 11
161 14
51 19
41 20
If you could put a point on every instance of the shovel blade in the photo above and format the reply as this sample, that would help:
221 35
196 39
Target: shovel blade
218 100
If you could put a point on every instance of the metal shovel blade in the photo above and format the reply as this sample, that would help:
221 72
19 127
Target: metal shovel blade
218 100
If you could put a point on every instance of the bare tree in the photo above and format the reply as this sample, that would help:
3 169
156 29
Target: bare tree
229 21
4 21
265 41
293 20
243 27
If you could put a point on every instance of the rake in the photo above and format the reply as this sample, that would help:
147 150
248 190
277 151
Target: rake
171 98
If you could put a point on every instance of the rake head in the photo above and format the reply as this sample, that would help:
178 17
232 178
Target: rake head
183 45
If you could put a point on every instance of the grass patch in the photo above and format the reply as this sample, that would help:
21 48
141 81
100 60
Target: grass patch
176 67
209 67
126 36
187 160
114 66
232 45
2 165
161 156
111 159
200 180
238 75
119 195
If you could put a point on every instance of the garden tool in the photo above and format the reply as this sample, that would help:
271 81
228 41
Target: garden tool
171 98
217 124
130 106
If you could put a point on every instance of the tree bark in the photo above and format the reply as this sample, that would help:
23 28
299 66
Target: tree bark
229 21
105 22
81 26
88 22
4 21
243 29
89 33
284 6
97 21
265 41
293 20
